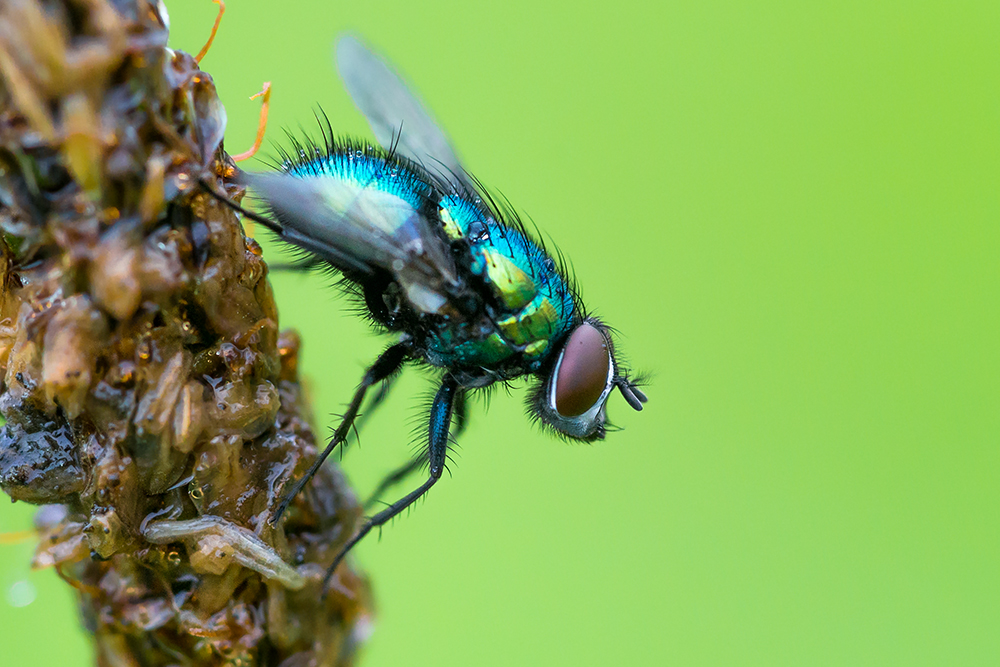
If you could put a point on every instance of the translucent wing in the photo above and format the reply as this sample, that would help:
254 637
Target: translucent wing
398 119
364 214
362 230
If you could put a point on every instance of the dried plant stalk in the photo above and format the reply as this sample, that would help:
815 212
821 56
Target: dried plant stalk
151 403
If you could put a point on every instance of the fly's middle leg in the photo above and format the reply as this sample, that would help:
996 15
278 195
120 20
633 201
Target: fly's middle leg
402 472
384 367
437 450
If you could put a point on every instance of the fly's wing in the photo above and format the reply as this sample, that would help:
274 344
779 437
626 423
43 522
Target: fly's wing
362 230
398 119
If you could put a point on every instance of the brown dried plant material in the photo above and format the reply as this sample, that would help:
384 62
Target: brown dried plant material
151 403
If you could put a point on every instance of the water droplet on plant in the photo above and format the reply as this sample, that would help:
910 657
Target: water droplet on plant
21 593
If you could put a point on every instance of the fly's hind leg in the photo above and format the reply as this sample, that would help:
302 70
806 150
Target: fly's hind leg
437 449
402 472
384 367
394 478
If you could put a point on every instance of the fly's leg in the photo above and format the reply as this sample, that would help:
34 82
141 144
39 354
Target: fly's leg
437 449
392 479
363 417
408 468
385 366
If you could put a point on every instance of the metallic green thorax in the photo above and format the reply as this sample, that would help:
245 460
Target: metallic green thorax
537 303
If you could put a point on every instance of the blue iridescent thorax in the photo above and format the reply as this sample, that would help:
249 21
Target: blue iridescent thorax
537 306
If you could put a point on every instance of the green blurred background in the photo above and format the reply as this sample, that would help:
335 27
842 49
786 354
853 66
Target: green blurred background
790 210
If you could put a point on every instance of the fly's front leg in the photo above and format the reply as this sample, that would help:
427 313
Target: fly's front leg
437 449
377 400
385 366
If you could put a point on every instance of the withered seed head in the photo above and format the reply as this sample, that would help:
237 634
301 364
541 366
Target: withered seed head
147 390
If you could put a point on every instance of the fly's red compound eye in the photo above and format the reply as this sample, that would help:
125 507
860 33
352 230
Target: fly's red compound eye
583 372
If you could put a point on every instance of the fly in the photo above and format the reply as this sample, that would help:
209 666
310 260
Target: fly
438 263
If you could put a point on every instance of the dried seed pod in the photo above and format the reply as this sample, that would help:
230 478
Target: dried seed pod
73 335
147 390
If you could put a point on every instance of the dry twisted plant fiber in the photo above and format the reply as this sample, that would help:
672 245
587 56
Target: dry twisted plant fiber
151 403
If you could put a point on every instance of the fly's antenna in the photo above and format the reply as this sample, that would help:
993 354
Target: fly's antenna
634 396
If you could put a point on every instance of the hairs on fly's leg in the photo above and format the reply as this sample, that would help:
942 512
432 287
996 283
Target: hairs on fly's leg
419 439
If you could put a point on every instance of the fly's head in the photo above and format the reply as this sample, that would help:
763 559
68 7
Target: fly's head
572 397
